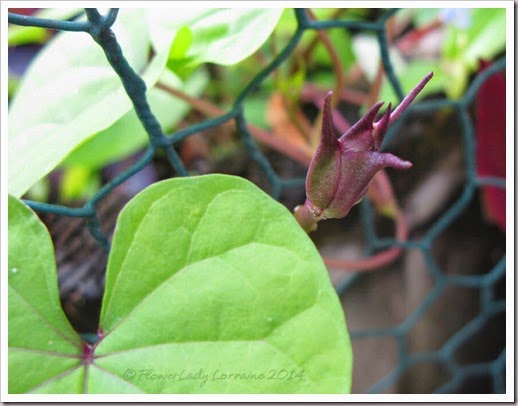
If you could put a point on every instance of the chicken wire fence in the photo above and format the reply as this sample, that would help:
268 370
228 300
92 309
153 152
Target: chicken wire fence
98 26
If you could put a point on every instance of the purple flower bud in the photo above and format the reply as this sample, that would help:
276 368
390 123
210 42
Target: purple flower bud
341 169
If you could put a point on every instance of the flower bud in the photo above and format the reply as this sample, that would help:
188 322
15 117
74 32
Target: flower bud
341 169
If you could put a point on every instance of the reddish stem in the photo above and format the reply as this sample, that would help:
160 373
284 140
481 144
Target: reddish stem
376 86
297 153
335 59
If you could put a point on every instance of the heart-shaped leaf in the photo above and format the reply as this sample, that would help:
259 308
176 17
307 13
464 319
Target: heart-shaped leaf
212 287
42 343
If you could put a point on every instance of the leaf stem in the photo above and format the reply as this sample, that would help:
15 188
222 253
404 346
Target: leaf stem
335 59
297 153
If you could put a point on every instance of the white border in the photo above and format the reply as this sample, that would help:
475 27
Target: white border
510 284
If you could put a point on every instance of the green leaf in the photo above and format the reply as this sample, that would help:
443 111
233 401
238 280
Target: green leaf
42 343
220 36
127 135
79 182
69 93
181 43
19 35
211 287
227 283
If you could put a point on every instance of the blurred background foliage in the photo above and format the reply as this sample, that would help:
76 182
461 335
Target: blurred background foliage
450 42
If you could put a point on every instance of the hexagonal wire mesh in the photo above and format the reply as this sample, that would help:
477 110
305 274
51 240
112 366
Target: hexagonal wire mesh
97 26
